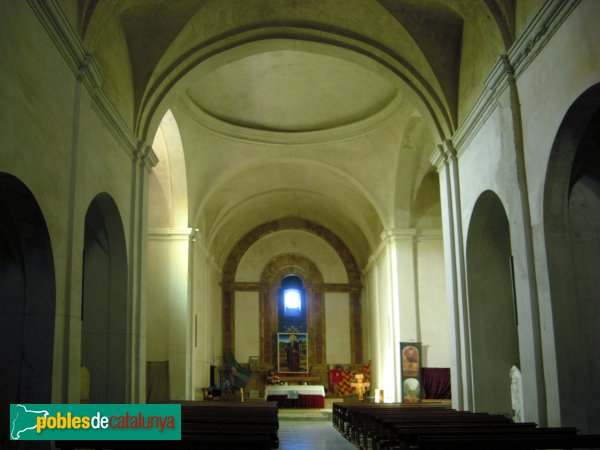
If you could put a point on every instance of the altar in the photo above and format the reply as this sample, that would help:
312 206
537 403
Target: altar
292 396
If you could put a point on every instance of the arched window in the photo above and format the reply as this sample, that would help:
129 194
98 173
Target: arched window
292 305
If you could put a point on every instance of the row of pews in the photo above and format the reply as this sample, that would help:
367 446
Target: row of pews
229 425
209 425
404 426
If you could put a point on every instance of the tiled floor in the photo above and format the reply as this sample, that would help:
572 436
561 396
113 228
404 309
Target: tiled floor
311 435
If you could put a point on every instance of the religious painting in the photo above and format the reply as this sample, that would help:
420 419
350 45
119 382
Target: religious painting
411 390
292 352
410 357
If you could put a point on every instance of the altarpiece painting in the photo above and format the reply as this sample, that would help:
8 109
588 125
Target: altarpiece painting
292 352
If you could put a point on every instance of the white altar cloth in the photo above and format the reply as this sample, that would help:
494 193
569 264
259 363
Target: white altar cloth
301 389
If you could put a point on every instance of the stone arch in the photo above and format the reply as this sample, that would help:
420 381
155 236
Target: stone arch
168 197
291 223
417 88
28 299
270 280
572 233
105 309
354 286
492 314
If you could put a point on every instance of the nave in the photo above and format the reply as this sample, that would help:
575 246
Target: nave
302 434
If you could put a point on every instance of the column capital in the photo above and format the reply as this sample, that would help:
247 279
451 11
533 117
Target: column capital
145 154
449 150
173 234
398 234
438 158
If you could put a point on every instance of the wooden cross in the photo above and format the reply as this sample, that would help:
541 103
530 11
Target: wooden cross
360 386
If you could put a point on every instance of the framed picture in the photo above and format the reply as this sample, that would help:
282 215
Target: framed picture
253 362
292 352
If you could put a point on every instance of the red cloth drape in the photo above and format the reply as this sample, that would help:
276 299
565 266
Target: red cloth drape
436 382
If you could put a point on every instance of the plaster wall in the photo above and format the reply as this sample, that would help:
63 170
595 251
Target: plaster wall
168 309
547 90
406 294
46 115
298 242
207 317
157 319
337 326
247 326
488 163
433 306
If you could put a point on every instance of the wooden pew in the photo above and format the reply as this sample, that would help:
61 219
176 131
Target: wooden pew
402 427
209 425
355 420
392 428
412 437
540 440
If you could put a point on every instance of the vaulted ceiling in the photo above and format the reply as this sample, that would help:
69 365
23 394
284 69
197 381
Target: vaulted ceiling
320 109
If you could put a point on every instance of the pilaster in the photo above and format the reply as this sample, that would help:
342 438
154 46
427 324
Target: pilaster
445 159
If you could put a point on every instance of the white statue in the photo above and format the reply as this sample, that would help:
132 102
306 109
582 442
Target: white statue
516 393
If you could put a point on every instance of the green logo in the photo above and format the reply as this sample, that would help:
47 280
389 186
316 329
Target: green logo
95 422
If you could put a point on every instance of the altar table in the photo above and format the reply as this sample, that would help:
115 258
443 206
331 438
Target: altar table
308 396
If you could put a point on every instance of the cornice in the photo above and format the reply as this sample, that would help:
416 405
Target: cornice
410 234
528 45
538 32
398 234
233 132
86 70
183 234
392 235
171 234
58 27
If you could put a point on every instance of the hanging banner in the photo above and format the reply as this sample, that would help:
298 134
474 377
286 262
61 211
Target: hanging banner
410 357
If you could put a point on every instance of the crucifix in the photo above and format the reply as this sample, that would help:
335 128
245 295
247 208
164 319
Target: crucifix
360 386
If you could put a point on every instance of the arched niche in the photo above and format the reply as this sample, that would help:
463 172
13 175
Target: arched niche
229 285
572 231
104 327
270 282
27 300
492 315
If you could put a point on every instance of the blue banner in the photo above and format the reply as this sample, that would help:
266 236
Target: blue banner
95 422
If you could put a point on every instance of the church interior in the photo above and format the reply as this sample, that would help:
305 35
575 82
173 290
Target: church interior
282 189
